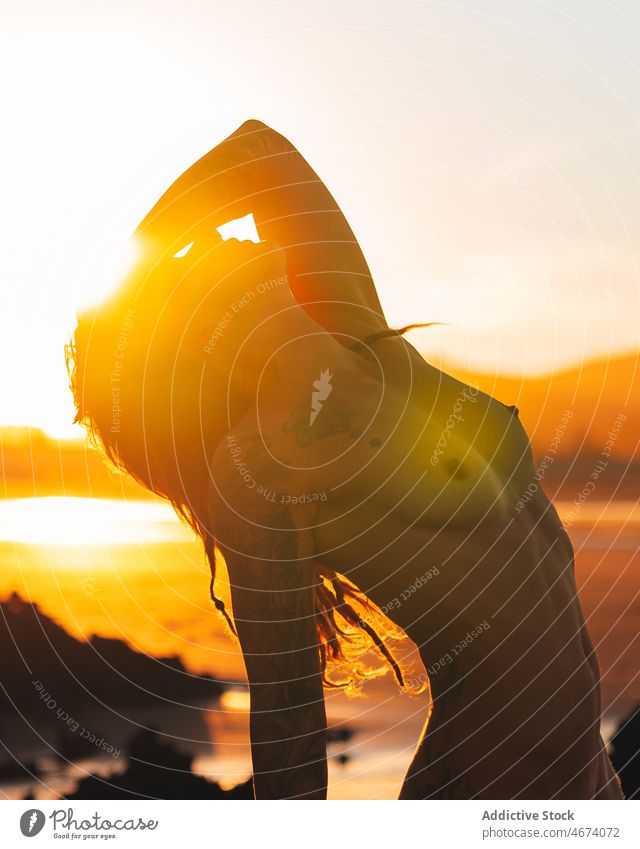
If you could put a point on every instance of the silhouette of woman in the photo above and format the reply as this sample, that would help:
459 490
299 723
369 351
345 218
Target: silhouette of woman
261 390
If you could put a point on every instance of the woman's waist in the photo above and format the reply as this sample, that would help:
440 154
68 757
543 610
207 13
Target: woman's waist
399 565
480 689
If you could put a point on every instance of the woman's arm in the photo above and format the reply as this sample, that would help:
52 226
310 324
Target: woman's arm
273 599
257 170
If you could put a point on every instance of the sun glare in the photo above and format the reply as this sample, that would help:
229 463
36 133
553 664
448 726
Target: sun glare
113 268
184 251
240 228
235 700
70 521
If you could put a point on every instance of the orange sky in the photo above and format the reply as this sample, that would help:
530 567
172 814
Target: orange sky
487 158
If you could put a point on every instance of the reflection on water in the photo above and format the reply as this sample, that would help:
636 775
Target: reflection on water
614 512
130 570
154 596
68 521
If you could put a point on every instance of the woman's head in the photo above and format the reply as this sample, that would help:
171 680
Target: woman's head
152 366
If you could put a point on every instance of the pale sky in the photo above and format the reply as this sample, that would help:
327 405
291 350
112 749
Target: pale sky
486 153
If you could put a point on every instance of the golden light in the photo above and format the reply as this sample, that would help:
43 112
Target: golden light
235 700
72 521
240 228
184 251
112 268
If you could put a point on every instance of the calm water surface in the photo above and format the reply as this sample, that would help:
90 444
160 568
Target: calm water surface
129 570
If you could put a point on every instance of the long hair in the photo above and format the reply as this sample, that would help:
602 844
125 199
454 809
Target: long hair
151 410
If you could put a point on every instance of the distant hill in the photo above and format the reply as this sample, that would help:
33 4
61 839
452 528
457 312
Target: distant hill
41 663
70 701
34 464
602 396
598 394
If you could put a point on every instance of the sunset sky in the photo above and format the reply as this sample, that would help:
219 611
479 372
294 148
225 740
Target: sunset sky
487 155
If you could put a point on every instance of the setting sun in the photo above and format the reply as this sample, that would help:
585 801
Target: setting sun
466 222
